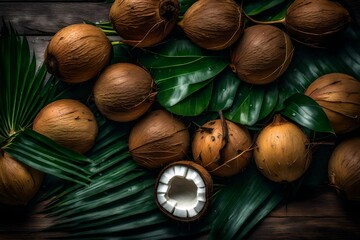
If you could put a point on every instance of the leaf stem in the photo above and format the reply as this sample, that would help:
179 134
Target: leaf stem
117 43
265 22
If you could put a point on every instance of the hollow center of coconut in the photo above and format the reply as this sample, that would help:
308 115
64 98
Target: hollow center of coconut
181 192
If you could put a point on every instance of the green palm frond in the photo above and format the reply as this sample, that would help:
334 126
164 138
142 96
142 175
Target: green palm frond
118 202
24 90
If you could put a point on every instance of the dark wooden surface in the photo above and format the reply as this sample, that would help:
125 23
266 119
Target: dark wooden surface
315 213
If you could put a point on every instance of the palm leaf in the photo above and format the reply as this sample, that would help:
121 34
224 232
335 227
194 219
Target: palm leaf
24 90
248 199
119 201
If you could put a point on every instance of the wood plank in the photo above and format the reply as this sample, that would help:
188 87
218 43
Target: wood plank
38 18
316 202
306 228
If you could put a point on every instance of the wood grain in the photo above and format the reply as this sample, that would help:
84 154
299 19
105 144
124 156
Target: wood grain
293 228
46 18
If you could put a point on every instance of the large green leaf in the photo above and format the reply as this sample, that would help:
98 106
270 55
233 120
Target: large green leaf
118 202
306 112
180 70
252 103
195 104
242 203
225 88
47 156
24 89
308 64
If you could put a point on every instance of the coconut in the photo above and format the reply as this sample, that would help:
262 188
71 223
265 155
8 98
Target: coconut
282 151
144 23
344 168
77 53
222 147
213 24
18 182
69 123
124 92
158 139
183 190
262 54
315 22
339 96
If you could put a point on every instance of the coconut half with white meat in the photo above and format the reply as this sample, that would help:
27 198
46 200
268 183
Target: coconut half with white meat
183 190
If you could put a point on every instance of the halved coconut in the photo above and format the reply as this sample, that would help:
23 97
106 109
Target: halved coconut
183 190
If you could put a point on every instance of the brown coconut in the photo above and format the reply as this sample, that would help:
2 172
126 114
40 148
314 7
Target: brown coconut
282 151
68 122
77 53
262 54
315 22
213 24
344 168
222 147
339 96
183 190
18 182
124 92
158 139
144 23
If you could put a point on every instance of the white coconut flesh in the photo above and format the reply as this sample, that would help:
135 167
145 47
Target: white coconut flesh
181 191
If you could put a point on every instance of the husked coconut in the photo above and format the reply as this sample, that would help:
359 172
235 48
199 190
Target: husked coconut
262 54
282 151
315 22
77 53
144 23
157 139
222 147
18 182
124 92
68 122
344 168
339 96
213 24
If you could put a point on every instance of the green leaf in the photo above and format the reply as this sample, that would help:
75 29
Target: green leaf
118 202
185 4
195 104
270 101
308 64
306 112
256 7
247 199
182 73
225 88
24 89
43 154
247 106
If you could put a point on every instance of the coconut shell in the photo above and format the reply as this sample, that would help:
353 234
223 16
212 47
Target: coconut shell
339 96
262 54
282 151
158 139
213 24
124 92
344 168
222 154
77 53
18 182
69 123
144 23
315 22
206 177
